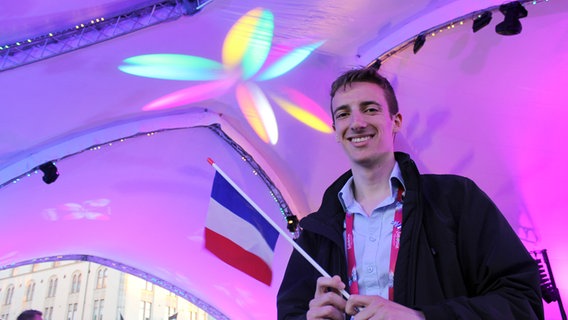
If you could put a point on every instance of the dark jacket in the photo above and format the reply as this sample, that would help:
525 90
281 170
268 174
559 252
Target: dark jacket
459 258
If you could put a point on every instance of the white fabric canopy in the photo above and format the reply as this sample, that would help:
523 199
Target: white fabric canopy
134 183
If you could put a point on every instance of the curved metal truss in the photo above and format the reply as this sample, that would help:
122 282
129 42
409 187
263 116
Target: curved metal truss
94 31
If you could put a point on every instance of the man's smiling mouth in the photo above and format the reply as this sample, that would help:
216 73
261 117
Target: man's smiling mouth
360 139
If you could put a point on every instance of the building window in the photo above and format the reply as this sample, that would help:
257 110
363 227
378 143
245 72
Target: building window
171 313
30 288
4 316
98 309
9 294
102 278
52 287
72 311
76 284
95 309
48 313
145 310
149 286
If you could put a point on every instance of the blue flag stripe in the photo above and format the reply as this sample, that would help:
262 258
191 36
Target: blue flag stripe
230 198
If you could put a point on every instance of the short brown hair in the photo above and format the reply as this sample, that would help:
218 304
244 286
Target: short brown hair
370 75
29 315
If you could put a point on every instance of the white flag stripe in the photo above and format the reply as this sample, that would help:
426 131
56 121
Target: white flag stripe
233 227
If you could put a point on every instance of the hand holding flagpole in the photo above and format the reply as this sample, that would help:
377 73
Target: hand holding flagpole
274 225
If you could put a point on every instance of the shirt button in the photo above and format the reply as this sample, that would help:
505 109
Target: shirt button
370 269
372 239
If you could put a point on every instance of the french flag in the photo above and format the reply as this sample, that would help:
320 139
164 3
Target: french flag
237 233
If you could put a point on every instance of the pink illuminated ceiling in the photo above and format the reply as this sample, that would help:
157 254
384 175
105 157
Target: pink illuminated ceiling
246 49
477 104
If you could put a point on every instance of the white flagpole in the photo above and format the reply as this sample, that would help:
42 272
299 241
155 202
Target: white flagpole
275 226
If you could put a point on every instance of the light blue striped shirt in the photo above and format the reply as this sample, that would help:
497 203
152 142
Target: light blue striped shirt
373 236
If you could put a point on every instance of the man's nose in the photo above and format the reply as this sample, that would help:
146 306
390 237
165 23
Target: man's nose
357 121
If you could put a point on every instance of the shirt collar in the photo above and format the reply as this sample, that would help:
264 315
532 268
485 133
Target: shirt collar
347 198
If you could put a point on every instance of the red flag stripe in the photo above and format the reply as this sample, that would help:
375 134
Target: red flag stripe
236 256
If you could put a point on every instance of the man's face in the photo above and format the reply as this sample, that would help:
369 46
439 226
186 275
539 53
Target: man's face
363 124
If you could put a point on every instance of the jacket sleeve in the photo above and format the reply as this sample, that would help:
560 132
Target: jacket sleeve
322 239
298 285
501 278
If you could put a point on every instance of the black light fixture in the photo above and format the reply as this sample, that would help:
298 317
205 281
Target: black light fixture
419 42
292 221
376 64
190 7
548 288
482 20
50 173
513 11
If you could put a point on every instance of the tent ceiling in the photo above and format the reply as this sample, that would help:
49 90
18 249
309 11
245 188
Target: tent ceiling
477 104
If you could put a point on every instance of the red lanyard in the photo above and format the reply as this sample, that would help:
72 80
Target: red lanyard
395 245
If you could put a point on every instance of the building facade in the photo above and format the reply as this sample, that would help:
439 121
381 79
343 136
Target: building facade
80 290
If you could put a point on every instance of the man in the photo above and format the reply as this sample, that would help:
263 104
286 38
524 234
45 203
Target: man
30 315
414 246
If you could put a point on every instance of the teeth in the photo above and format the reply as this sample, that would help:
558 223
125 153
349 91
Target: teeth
360 139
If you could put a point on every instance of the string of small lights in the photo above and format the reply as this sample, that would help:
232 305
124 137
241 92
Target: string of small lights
93 31
418 41
291 219
257 170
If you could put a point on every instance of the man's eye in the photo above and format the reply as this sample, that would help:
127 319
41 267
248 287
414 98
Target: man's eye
341 115
371 110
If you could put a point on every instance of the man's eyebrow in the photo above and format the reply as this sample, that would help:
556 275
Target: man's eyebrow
341 107
362 104
371 102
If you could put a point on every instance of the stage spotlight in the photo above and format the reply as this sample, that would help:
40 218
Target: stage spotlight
190 7
292 223
376 64
419 42
482 20
50 173
513 11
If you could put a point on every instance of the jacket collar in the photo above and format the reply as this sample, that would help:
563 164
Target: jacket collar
328 219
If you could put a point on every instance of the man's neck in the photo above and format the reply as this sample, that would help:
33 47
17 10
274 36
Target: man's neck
371 185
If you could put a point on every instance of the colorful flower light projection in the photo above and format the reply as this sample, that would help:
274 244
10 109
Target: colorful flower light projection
247 61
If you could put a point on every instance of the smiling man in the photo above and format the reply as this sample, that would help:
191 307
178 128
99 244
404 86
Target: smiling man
405 245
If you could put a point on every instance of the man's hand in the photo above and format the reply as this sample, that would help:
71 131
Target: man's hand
378 308
327 302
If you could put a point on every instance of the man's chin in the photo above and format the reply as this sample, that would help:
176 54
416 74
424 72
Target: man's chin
364 161
368 161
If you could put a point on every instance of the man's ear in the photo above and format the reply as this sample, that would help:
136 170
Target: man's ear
335 132
397 123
